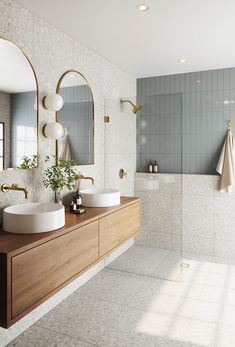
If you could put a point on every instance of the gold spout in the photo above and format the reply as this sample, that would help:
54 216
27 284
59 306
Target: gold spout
6 187
136 108
81 177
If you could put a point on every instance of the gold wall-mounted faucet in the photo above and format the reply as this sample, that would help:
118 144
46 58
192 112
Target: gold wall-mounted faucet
6 187
122 174
81 177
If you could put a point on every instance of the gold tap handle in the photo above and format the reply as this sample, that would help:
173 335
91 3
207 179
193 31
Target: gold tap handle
122 174
5 188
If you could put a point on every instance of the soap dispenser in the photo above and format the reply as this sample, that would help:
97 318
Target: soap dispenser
78 200
155 167
150 167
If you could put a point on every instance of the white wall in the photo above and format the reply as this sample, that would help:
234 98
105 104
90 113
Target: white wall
52 53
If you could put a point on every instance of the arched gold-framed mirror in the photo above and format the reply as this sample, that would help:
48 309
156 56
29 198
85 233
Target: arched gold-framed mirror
19 104
77 119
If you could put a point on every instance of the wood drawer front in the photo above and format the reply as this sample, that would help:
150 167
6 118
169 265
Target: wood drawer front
39 271
117 227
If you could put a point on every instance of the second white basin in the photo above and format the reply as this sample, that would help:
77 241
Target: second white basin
93 197
33 218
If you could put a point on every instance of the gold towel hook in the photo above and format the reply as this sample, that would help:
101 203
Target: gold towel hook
229 125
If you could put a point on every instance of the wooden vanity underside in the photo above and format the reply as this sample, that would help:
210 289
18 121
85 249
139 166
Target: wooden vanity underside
34 267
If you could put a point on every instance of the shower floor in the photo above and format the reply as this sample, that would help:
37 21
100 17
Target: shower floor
145 298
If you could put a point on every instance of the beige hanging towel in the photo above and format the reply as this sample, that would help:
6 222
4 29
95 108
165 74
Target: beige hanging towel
65 152
226 164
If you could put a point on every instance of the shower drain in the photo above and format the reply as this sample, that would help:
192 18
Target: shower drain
185 265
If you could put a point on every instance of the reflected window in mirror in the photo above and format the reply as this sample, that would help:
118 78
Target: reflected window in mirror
18 109
2 140
77 119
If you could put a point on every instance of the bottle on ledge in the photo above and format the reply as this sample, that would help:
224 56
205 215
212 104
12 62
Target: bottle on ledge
78 200
155 167
150 167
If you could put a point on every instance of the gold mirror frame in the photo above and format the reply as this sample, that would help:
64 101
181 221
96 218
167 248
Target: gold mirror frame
57 116
37 110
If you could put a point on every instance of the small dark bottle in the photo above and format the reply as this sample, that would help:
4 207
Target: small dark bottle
78 200
155 167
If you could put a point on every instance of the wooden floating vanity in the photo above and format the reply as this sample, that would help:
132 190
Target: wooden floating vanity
34 267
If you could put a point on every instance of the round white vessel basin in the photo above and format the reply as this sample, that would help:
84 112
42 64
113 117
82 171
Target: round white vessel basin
93 197
33 218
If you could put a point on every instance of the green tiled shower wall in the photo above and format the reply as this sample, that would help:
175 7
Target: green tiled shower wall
186 120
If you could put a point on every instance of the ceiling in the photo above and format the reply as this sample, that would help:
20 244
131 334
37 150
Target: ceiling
149 43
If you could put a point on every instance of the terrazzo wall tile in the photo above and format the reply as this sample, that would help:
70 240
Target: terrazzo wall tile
157 204
115 162
198 216
52 53
203 185
23 177
113 82
92 66
176 213
17 24
119 146
201 219
225 218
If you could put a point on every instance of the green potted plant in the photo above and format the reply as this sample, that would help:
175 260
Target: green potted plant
28 162
59 177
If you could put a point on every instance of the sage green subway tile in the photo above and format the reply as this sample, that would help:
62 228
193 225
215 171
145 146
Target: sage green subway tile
198 116
172 88
152 86
226 75
223 79
232 78
215 80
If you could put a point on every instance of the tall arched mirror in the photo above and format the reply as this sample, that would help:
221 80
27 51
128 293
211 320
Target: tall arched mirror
77 119
18 109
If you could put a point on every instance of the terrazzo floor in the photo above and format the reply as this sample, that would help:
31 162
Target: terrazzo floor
144 298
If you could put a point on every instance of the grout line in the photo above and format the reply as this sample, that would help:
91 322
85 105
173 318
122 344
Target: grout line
142 275
64 334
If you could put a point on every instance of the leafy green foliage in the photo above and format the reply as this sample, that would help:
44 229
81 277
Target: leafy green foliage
28 163
58 177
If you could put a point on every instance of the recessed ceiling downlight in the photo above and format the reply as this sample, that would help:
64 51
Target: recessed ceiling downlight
183 61
143 8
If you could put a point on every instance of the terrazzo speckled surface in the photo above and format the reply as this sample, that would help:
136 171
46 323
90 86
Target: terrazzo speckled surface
188 212
155 304
52 53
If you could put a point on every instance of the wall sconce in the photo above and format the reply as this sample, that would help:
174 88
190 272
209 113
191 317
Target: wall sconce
53 102
53 130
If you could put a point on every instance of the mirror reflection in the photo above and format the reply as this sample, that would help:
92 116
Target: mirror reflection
18 109
77 119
